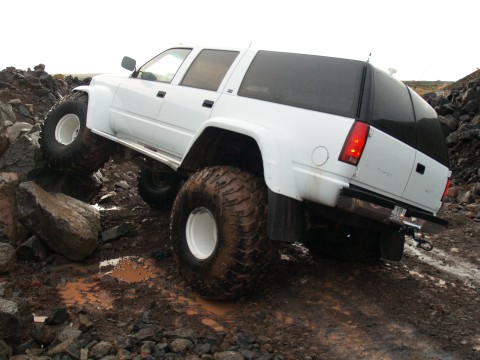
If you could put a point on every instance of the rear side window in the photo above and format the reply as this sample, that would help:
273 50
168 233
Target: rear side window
311 82
209 68
430 138
392 108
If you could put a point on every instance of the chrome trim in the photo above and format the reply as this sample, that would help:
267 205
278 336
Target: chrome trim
167 159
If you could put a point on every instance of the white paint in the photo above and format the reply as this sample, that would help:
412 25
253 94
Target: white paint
467 272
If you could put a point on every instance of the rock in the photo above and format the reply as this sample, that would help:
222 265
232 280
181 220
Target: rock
6 290
122 184
5 351
449 124
83 323
465 198
185 333
69 333
32 249
202 349
114 233
445 109
7 256
101 349
57 316
68 226
470 107
44 334
70 347
8 212
181 346
6 114
228 355
148 333
18 129
24 158
15 317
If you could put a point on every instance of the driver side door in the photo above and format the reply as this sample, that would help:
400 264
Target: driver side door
138 100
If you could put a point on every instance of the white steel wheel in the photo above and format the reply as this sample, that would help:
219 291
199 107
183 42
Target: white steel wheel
67 129
201 233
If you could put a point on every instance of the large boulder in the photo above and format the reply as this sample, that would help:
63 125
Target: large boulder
66 225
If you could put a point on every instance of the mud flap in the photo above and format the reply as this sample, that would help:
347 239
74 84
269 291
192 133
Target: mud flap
392 243
286 218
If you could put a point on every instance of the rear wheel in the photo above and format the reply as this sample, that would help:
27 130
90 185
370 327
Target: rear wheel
218 229
66 142
158 188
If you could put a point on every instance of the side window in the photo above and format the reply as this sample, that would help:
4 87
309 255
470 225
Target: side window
209 69
392 108
305 81
164 66
430 138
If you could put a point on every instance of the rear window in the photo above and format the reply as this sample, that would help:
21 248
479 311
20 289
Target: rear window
311 82
392 108
430 138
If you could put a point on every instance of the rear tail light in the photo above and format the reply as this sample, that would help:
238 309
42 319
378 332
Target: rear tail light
446 188
355 143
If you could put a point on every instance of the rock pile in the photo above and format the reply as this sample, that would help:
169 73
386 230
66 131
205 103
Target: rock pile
459 114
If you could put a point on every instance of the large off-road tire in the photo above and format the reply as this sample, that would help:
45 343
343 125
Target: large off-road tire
219 233
344 243
158 188
67 144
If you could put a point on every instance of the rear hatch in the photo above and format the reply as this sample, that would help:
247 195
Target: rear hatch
405 156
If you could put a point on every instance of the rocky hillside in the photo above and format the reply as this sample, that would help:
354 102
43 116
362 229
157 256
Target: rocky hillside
459 114
40 226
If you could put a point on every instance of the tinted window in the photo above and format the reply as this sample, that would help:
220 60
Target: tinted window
311 82
164 66
430 138
392 108
209 69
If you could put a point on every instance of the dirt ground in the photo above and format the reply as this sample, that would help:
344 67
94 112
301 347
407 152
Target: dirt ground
425 307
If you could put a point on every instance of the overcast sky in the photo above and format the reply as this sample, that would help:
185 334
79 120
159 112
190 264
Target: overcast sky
421 39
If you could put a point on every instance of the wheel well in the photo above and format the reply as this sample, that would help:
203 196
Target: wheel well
222 147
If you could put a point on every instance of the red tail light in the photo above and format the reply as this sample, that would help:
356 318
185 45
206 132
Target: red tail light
356 140
446 188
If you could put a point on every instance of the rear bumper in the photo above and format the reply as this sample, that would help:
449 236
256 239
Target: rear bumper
379 208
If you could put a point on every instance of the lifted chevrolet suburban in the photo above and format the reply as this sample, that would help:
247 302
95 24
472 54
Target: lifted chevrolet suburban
249 147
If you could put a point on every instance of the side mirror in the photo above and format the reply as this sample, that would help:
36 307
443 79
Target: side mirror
128 63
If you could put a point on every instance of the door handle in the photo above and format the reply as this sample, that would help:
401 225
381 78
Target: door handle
208 104
420 169
161 94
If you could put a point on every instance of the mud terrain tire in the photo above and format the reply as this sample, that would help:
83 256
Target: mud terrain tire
67 144
218 229
158 189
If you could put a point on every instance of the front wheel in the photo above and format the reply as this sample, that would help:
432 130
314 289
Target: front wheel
218 230
66 142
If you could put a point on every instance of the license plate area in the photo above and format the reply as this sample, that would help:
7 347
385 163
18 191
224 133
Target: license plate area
397 215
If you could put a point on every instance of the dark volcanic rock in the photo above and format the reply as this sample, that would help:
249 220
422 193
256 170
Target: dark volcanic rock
67 225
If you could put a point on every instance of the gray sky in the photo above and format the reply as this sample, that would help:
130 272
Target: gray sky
421 39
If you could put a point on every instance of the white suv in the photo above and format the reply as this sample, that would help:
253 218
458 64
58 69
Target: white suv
251 146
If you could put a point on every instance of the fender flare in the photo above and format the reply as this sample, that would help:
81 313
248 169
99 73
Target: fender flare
100 99
274 147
